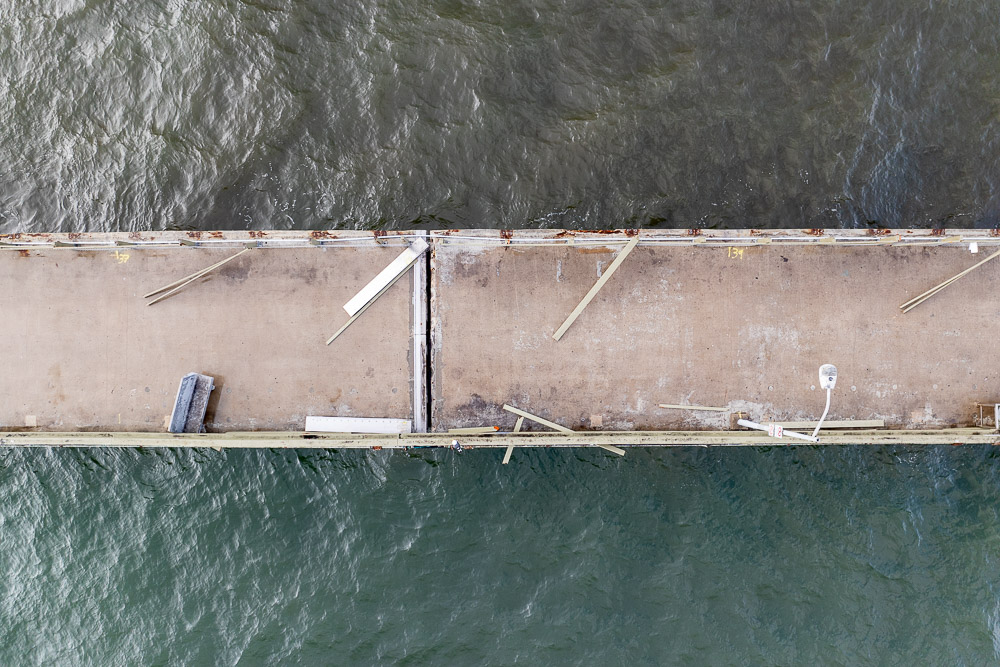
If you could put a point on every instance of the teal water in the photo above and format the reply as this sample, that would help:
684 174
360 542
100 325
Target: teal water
694 556
163 114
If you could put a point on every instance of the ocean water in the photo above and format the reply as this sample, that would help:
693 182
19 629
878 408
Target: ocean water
159 114
804 555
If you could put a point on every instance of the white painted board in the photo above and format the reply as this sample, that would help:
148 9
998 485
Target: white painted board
385 277
357 425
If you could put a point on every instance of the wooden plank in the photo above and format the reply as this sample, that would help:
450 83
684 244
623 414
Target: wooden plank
386 277
366 306
913 303
184 282
281 439
923 297
510 447
543 422
917 300
358 425
849 423
557 427
692 407
610 271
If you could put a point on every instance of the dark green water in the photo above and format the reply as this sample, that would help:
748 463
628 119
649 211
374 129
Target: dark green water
274 114
774 556
558 113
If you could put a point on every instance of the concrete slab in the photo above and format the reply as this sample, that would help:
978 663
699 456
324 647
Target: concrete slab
82 351
741 327
740 319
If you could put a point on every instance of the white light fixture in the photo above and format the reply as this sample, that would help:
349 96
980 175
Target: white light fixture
827 380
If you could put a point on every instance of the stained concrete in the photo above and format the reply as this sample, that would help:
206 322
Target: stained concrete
744 329
82 351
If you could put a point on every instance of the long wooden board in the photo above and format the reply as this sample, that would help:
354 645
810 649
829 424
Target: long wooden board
510 447
281 439
357 425
610 271
535 418
365 307
557 427
850 423
697 408
386 277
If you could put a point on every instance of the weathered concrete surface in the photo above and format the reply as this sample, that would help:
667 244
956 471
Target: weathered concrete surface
82 351
745 329
678 323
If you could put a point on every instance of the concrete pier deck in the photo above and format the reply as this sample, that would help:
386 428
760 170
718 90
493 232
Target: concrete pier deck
739 320
740 327
83 351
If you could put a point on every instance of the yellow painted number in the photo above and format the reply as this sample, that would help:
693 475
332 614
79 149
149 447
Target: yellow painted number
734 253
122 257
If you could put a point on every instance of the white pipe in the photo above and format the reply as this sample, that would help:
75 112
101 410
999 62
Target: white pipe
825 410
790 434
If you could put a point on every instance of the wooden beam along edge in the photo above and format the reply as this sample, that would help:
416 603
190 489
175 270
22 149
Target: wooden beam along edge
274 243
650 238
280 440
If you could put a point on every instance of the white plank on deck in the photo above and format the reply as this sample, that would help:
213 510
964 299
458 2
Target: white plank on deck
357 425
385 277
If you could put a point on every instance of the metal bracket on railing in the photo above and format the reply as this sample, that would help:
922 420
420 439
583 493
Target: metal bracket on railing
983 419
776 431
